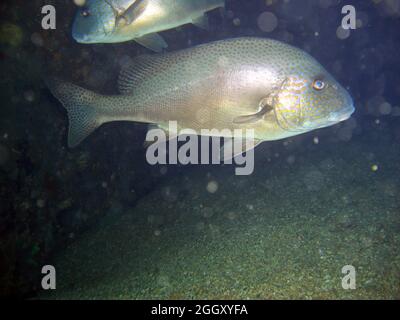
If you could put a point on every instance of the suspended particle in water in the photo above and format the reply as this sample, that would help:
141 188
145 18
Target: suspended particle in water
29 95
40 203
212 186
231 215
374 167
316 140
291 159
157 233
396 111
385 108
236 22
169 194
342 33
250 207
267 21
163 170
80 3
207 212
37 39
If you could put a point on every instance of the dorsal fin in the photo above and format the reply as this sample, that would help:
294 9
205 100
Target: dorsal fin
140 68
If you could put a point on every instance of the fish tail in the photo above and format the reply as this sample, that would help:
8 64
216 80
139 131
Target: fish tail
83 114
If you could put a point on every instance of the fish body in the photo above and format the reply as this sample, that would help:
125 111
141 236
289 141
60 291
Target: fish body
111 21
242 83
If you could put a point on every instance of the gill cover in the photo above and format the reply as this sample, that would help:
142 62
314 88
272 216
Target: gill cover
287 103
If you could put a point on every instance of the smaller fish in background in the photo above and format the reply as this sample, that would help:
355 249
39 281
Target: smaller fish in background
112 21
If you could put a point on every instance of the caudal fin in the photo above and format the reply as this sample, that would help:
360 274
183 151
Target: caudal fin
81 107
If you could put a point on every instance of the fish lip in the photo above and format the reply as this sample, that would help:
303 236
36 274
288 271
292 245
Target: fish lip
81 38
346 114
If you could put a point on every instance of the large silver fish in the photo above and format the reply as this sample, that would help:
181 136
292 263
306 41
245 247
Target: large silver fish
109 21
243 83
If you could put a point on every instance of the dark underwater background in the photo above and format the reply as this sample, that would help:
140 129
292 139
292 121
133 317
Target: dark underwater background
116 227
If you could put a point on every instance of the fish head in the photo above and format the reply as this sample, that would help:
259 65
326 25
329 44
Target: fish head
94 22
310 100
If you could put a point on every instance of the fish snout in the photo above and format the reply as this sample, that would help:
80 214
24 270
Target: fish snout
81 38
342 114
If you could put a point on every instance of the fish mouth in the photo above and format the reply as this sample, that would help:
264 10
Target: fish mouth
332 119
81 38
342 115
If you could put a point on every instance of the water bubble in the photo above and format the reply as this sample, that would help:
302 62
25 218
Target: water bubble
291 159
396 111
29 95
236 22
80 3
374 103
169 194
212 186
163 170
342 33
267 21
40 203
37 39
231 215
385 108
250 207
207 212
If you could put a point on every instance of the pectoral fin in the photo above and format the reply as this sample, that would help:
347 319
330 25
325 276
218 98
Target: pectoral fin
234 146
152 41
252 118
134 11
202 22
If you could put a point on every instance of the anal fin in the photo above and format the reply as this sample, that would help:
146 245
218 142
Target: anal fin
201 22
234 147
152 41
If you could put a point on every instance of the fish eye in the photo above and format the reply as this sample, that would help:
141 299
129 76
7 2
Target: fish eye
318 84
85 12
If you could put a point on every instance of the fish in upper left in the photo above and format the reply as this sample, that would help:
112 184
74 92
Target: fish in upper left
111 21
